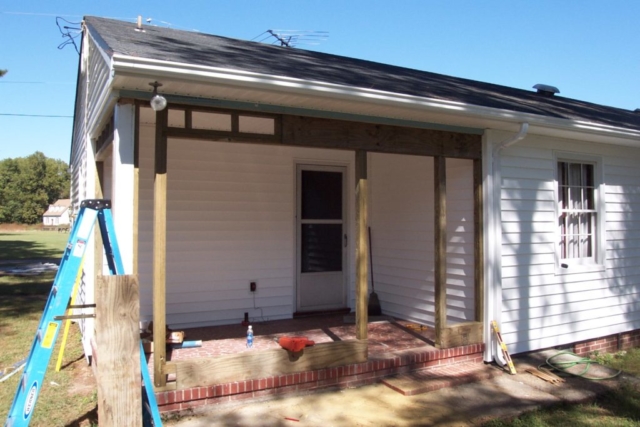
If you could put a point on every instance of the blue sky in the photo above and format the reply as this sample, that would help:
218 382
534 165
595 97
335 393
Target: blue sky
589 49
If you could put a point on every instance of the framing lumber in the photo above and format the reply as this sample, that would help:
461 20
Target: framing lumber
118 347
160 250
362 248
266 363
478 232
347 135
440 205
461 334
136 186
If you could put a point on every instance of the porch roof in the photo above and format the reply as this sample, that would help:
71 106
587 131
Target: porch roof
194 48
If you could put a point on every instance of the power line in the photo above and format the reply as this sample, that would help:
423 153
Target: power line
34 83
34 115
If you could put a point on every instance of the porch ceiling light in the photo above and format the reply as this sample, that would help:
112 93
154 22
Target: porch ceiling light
158 102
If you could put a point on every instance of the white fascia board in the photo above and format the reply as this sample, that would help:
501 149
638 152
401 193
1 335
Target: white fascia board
485 117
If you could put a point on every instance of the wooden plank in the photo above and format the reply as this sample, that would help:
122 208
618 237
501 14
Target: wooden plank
478 240
118 346
440 276
136 186
460 334
362 248
160 250
347 135
265 363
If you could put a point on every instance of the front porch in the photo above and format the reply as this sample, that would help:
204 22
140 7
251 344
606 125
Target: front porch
394 347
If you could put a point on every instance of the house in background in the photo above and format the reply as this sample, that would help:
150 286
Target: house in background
58 214
269 163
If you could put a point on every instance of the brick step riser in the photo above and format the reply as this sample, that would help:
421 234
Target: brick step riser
341 377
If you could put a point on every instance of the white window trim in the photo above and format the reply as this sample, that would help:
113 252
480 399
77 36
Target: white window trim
597 263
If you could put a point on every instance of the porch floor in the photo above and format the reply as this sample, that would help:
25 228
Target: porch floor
395 347
384 336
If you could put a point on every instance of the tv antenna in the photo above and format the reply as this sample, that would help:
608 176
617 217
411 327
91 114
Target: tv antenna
290 38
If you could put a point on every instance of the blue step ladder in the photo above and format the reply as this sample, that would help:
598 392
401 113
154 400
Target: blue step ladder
44 341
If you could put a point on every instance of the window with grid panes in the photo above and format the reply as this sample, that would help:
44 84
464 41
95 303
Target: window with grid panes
577 211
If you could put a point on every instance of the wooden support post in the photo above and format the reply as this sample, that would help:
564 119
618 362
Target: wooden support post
160 251
362 249
478 231
440 205
118 351
136 185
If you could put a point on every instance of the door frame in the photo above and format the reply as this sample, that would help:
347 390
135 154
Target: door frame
326 167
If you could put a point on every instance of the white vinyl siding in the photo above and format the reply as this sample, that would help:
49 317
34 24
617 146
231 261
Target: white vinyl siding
230 221
402 224
541 306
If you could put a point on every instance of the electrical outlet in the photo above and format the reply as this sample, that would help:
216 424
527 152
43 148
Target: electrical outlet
253 286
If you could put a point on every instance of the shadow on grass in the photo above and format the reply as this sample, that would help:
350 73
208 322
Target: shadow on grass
89 418
44 246
14 285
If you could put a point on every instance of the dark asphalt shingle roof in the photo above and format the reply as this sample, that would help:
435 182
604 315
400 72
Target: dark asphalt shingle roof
204 49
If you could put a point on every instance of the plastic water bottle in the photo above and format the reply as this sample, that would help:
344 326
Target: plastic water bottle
250 337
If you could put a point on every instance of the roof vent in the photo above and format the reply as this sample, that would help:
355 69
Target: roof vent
546 90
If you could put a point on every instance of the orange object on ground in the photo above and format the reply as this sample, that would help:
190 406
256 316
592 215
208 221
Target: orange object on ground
294 344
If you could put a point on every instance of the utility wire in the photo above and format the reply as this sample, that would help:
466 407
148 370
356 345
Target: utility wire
34 115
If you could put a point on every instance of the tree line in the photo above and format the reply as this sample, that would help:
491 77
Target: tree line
28 185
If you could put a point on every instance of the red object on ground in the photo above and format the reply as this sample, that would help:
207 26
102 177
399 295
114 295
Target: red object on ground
294 344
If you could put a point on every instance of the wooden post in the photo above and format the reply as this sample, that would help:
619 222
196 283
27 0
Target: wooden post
160 251
478 232
440 204
136 185
118 351
362 249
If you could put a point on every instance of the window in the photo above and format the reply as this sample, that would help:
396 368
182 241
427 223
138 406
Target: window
578 219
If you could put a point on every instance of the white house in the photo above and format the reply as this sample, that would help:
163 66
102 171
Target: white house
58 214
485 202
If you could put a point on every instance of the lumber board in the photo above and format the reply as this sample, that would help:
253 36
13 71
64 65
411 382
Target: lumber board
160 249
440 226
546 376
118 347
349 135
461 334
362 249
478 242
266 363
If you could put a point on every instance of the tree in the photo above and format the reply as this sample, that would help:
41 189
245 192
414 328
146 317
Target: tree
28 185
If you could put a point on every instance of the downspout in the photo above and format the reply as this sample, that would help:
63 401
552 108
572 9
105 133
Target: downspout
493 249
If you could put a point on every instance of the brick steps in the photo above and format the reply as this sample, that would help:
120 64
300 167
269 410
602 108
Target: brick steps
431 379
356 375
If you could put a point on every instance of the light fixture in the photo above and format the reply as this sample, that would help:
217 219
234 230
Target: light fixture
158 102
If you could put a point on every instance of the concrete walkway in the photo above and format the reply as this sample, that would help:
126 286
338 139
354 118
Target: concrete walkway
503 395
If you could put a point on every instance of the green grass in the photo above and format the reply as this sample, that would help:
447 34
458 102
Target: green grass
67 397
32 245
617 408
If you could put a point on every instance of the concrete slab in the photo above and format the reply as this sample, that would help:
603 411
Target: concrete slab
465 405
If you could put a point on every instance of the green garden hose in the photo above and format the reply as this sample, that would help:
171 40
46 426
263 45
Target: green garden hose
565 365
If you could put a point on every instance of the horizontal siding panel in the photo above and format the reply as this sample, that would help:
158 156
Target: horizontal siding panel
512 183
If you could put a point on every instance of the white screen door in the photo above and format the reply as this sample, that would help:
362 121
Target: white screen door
321 236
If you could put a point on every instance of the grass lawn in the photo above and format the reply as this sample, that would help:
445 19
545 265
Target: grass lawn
618 408
68 397
32 244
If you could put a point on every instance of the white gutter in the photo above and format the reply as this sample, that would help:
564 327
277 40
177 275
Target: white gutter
493 242
144 68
